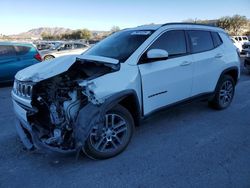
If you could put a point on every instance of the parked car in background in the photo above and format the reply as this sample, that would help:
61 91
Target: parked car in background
237 45
245 48
64 48
247 59
92 102
241 39
43 46
14 57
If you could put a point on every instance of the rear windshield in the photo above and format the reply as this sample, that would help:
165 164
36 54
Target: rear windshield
7 51
120 45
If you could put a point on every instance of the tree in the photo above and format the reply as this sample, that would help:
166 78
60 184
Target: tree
115 29
86 34
238 24
234 25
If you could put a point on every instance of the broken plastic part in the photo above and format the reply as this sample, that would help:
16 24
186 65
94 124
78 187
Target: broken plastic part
88 88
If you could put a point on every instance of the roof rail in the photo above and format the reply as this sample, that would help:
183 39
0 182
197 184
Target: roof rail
186 23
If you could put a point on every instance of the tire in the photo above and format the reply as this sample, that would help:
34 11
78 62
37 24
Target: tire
224 93
48 57
113 137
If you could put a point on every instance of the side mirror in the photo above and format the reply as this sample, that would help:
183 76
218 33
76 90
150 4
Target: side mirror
157 54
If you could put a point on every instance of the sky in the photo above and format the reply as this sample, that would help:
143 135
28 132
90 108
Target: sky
22 15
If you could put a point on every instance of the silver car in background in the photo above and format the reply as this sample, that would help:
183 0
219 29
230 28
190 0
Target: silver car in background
64 48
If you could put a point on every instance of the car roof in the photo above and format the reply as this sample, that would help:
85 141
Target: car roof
17 44
189 25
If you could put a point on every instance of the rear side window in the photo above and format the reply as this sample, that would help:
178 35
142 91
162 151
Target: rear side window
216 39
173 42
22 50
7 51
200 41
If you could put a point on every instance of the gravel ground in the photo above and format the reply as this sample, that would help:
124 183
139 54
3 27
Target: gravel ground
186 146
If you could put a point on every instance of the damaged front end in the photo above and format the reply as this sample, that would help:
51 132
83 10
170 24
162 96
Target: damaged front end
58 113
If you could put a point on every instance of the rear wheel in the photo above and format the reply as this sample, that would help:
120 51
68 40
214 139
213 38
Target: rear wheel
48 57
224 93
114 135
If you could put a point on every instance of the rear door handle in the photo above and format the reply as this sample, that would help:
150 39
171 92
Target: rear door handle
218 56
185 63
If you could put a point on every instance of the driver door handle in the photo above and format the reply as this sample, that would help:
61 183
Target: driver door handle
185 63
218 56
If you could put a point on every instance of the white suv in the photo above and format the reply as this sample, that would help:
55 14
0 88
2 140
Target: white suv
92 102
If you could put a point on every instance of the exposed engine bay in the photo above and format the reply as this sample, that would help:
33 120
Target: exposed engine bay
58 101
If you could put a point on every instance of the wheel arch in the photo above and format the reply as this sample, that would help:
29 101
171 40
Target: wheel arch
49 55
131 103
233 72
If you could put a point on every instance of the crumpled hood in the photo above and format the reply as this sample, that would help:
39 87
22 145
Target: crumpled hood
48 69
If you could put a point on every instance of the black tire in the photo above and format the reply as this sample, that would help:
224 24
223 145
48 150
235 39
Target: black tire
108 139
48 57
224 93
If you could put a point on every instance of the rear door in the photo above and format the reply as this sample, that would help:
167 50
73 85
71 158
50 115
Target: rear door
8 63
168 81
208 60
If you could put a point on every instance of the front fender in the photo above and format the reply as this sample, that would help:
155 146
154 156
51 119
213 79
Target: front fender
94 115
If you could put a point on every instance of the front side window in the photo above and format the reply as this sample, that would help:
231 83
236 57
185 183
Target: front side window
200 41
120 45
173 42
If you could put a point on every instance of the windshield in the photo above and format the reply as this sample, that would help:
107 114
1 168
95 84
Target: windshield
120 45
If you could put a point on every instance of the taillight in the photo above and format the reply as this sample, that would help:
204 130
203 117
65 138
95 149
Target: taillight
38 57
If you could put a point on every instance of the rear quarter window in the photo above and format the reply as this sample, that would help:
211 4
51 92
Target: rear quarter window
22 50
216 39
7 51
200 41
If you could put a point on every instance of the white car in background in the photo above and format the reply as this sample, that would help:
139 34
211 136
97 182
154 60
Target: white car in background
64 48
241 39
237 45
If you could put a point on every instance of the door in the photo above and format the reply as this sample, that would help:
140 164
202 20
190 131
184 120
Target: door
208 57
168 81
8 63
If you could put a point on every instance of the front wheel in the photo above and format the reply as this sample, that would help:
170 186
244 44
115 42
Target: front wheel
224 93
114 136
